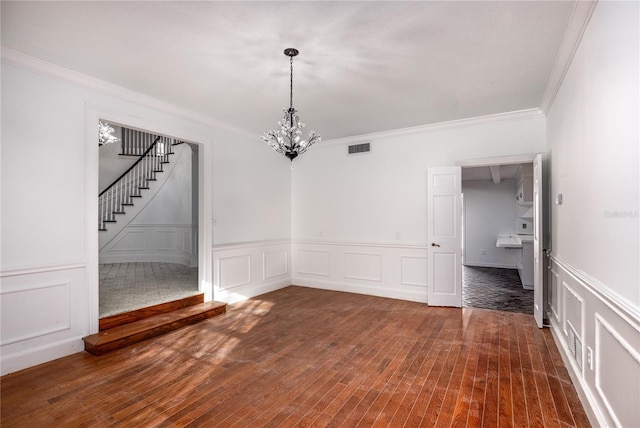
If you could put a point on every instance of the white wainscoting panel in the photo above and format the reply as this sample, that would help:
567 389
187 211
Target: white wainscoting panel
312 262
573 309
245 270
554 295
363 266
234 271
37 311
413 271
608 381
129 240
44 314
615 357
394 270
153 243
275 263
166 240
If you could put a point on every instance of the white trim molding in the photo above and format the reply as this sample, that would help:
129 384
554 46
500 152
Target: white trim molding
606 367
533 113
39 66
580 16
39 269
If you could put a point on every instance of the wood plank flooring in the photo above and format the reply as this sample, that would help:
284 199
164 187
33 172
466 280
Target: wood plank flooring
139 314
312 358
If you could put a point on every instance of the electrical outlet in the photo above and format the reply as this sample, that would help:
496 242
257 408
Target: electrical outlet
483 252
589 358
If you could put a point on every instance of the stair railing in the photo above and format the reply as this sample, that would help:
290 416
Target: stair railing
120 193
134 142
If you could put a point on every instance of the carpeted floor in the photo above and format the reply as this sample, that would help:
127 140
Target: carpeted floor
493 288
128 286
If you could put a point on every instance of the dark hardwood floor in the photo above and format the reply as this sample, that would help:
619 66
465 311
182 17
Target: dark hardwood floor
306 357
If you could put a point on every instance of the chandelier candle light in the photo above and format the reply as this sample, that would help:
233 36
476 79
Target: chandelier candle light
287 140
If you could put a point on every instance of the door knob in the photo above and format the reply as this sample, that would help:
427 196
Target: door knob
433 244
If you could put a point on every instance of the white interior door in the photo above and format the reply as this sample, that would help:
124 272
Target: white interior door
538 246
444 221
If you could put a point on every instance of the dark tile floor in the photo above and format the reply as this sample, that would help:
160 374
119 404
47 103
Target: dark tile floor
493 288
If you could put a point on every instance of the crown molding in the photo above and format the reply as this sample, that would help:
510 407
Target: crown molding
29 63
499 160
533 113
580 17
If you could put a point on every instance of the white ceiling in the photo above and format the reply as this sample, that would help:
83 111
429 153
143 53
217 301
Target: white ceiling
364 66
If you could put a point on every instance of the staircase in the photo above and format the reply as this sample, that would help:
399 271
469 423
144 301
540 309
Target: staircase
152 152
119 331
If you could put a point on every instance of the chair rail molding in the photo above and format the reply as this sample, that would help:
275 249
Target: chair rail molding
598 334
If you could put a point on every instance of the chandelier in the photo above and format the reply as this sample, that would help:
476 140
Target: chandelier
287 140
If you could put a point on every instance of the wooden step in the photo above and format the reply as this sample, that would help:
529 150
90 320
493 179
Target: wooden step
142 313
128 334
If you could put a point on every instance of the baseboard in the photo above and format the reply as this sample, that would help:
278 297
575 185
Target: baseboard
490 265
419 295
239 294
147 258
34 356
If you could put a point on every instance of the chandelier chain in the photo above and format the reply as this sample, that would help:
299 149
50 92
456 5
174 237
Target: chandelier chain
291 82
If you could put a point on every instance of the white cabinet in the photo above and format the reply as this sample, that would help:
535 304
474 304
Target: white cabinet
525 265
524 190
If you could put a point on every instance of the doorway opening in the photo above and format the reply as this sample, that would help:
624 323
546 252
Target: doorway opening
148 211
497 237
444 230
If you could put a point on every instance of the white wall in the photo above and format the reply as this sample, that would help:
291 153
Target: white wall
374 196
359 222
593 136
172 204
489 211
112 165
48 158
594 149
252 193
159 226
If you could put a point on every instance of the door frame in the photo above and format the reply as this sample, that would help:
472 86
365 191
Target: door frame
205 198
518 159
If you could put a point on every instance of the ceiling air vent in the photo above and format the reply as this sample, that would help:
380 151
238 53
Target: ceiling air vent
357 149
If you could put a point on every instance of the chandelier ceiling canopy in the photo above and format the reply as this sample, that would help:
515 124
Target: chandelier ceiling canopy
288 139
